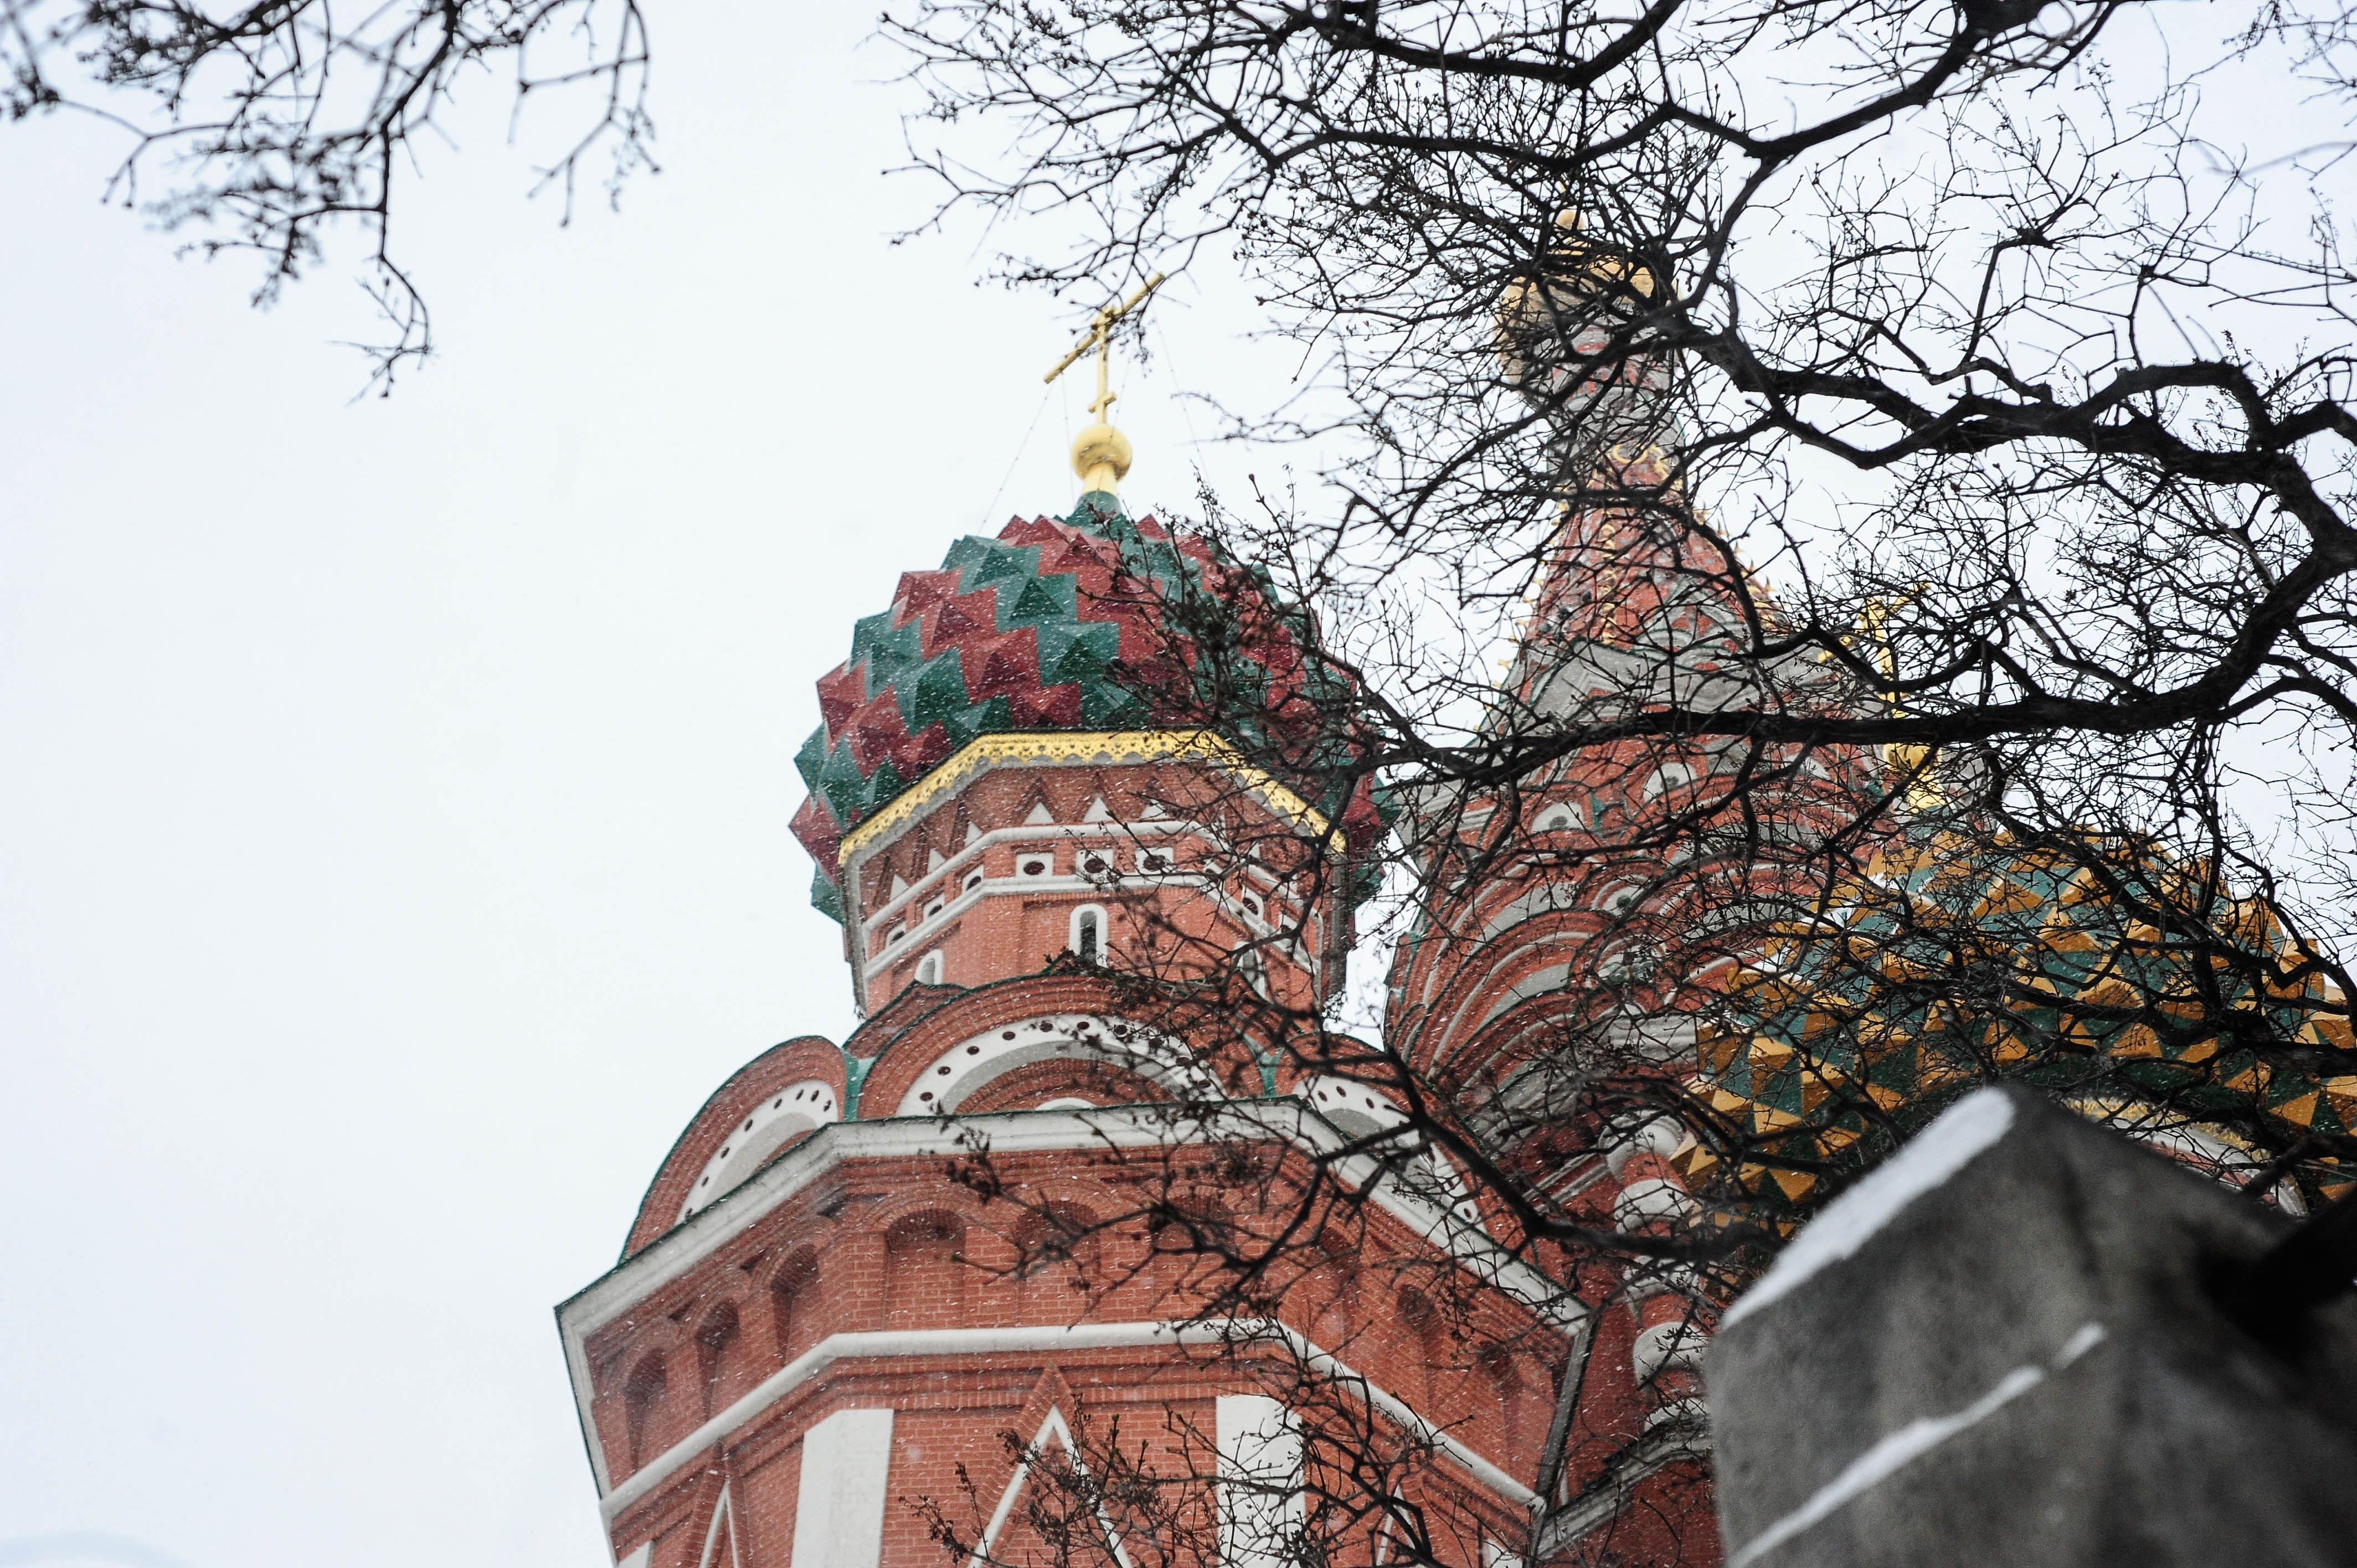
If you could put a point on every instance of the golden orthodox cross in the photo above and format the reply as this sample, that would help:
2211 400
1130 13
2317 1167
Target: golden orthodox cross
1923 790
1100 337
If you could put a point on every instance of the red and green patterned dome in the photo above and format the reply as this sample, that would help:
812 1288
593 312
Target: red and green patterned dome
1092 622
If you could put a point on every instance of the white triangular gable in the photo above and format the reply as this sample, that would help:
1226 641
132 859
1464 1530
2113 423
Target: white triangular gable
1040 816
724 1526
1052 1427
1097 812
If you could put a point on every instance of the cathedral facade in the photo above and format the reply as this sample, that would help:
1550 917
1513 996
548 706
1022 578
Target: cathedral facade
1093 1244
1065 1255
819 1340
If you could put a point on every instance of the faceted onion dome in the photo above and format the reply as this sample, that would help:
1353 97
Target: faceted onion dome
1581 293
1832 1004
1092 622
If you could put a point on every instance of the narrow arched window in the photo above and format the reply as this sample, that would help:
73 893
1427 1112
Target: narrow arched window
715 1347
1089 933
793 1304
924 1271
641 1396
928 969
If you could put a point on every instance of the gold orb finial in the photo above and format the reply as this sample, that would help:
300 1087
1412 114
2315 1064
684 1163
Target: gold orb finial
1101 456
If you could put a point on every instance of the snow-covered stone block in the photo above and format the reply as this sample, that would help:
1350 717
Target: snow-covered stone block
2007 1347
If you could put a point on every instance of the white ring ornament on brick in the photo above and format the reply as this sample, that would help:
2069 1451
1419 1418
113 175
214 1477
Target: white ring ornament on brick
1662 1135
1649 1202
953 1077
798 1108
1675 1345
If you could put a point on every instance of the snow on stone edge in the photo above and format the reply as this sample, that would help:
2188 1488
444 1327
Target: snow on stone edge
1968 1129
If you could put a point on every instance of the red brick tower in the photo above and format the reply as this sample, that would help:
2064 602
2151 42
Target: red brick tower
818 1340
1551 939
1574 931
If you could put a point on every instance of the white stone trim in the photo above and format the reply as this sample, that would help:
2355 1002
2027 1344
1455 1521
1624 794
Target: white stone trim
871 966
1259 1500
884 1344
1673 1433
953 1077
1362 1112
860 933
839 1505
1105 931
1651 1200
1667 776
802 1106
924 930
1053 1426
1013 1132
1675 1344
1019 1132
721 1514
1662 1135
1022 833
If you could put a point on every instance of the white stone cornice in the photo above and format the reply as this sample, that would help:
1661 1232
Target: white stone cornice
889 1344
710 1230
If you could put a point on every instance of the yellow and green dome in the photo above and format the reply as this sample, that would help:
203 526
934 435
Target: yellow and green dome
1952 961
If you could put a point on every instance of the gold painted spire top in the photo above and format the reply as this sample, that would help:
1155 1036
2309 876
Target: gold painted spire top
1101 454
1923 790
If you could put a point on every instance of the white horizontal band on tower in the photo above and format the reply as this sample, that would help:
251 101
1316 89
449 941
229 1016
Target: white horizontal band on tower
887 1344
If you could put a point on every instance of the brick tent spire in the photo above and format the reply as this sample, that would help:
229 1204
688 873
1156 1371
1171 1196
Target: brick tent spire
1503 976
1629 575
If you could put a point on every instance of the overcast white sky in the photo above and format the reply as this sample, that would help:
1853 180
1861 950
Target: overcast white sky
396 792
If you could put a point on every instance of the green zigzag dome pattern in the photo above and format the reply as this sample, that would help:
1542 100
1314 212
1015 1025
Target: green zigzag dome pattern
1067 625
